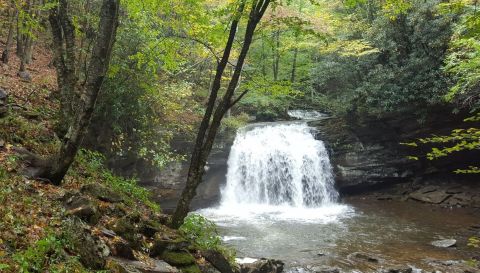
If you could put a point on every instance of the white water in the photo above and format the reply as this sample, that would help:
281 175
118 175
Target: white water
305 114
278 172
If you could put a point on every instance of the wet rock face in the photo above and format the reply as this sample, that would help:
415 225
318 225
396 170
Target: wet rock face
367 153
364 156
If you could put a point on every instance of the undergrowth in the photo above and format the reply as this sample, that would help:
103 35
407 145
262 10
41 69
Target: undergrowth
91 166
204 234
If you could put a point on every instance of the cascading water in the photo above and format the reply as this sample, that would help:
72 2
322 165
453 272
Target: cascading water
278 171
279 165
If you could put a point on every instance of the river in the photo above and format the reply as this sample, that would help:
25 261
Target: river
279 201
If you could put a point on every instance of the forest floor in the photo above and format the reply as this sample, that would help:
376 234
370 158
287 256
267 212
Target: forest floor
94 220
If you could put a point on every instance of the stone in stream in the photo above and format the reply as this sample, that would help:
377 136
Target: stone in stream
399 269
263 266
430 195
324 269
444 243
363 257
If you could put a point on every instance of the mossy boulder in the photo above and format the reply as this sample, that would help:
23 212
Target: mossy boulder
91 250
191 269
102 193
150 227
127 229
178 258
83 208
168 242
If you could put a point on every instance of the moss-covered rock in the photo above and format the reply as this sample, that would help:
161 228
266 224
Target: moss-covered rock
177 258
102 193
91 250
191 269
163 242
150 227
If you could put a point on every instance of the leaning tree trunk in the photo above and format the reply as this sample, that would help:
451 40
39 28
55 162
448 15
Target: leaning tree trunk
208 130
97 69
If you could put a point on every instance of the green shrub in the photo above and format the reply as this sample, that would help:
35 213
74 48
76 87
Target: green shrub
204 234
91 164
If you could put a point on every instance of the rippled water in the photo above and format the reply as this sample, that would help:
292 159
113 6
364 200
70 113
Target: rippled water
397 232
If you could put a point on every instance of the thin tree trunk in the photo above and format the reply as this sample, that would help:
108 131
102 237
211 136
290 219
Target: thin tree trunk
207 132
264 65
276 55
11 27
294 65
97 69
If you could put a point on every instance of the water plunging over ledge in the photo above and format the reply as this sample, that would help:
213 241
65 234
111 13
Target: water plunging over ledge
278 171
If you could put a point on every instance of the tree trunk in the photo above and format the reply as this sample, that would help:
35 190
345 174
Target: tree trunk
11 27
276 55
294 65
97 70
208 130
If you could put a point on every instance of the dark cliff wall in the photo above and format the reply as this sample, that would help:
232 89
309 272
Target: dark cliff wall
367 154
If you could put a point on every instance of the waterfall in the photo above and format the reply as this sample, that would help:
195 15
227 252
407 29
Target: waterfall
279 164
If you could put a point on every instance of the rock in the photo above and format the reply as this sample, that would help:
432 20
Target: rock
178 258
324 269
3 103
218 261
108 233
461 199
399 269
171 242
82 208
263 266
122 249
117 265
149 227
444 243
126 228
31 114
363 257
25 76
433 197
91 250
102 193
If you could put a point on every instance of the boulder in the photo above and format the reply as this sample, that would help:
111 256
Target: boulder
427 196
126 228
91 250
149 227
444 243
122 249
102 193
178 258
117 265
83 208
398 269
167 242
363 257
219 261
3 103
24 76
263 266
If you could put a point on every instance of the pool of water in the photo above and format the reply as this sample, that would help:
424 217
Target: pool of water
395 232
